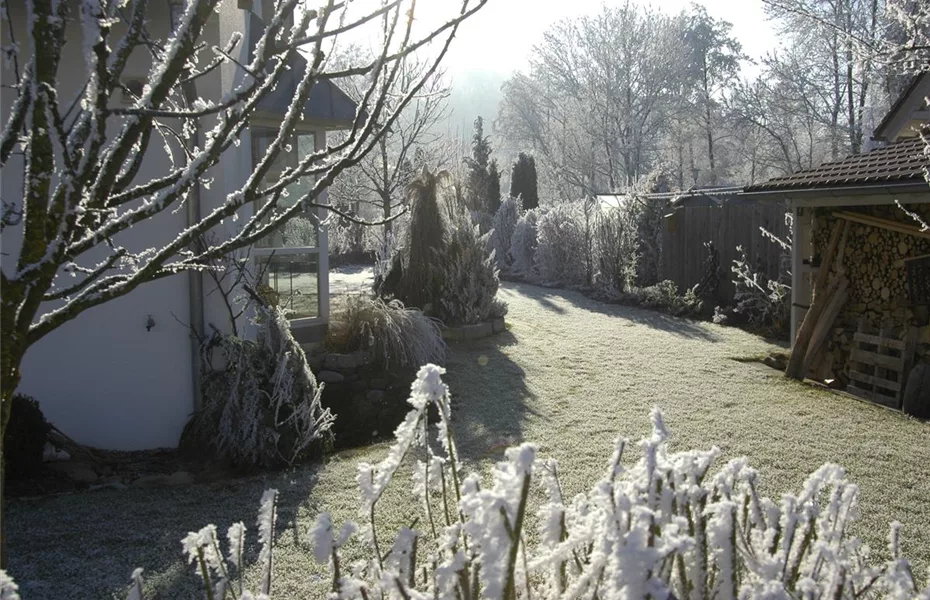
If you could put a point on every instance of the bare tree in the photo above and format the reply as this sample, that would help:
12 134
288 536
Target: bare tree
597 95
411 142
79 160
840 42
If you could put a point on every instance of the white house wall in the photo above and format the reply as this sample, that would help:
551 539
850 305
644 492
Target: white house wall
108 378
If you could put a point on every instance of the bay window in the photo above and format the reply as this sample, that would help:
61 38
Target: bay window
289 260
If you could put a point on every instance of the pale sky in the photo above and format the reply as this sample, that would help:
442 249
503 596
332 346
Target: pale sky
500 37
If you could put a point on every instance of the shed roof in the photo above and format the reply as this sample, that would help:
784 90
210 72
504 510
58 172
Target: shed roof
903 161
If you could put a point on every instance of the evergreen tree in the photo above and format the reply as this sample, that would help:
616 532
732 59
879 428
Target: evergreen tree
494 188
478 182
523 181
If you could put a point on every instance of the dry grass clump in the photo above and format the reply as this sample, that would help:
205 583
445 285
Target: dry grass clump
395 336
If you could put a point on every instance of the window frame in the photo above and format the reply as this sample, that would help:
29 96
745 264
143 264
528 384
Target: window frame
321 250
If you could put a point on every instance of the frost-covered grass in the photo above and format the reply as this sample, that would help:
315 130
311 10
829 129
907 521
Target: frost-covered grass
570 374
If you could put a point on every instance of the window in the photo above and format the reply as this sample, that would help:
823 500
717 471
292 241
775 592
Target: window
289 259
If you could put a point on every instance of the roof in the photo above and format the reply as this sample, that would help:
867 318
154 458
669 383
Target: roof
715 196
903 161
911 99
327 104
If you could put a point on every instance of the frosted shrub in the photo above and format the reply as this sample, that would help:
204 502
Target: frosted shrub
484 221
261 407
763 303
664 297
560 249
346 238
616 251
523 245
665 526
469 277
505 220
446 266
299 232
396 337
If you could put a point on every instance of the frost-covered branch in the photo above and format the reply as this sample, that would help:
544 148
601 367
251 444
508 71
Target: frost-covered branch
83 184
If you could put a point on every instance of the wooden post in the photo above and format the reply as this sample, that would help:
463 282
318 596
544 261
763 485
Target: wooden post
795 368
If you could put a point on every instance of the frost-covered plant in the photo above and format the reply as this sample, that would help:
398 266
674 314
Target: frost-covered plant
661 527
446 267
347 237
484 221
560 244
761 303
396 337
764 303
647 216
469 277
261 407
299 232
616 251
523 244
503 225
664 297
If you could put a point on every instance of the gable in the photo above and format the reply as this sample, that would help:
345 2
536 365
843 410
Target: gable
327 106
909 112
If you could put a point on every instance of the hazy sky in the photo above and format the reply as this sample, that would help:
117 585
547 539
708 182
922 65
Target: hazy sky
500 37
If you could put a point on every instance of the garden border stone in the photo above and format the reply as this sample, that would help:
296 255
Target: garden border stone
475 331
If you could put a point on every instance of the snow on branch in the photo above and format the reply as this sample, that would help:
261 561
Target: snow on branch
82 173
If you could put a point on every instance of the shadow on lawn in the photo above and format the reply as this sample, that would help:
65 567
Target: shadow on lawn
109 533
489 396
679 326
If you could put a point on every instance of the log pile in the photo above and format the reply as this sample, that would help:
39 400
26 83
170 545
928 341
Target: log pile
875 267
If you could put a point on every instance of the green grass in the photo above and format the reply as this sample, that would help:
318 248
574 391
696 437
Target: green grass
569 374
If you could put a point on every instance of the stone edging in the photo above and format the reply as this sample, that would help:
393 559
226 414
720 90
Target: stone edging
473 332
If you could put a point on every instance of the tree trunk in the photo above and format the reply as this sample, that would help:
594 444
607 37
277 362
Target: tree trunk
11 356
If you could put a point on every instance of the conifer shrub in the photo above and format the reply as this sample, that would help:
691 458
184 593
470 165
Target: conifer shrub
445 267
523 244
503 225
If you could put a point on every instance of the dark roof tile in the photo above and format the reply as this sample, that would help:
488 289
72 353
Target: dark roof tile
901 161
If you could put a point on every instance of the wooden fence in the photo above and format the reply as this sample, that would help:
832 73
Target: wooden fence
727 226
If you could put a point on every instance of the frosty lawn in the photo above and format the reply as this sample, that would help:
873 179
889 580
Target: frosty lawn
569 375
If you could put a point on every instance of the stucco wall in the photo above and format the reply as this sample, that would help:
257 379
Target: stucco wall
103 378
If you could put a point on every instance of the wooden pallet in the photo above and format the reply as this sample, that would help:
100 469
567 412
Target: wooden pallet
878 367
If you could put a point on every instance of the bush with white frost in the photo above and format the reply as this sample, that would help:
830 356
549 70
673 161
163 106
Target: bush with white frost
560 244
261 402
394 336
662 527
503 225
446 266
523 244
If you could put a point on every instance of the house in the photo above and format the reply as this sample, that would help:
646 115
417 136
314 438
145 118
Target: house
124 375
881 255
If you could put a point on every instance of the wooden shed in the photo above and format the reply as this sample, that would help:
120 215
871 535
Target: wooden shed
860 262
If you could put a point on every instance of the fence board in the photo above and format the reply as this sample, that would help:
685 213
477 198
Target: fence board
728 226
